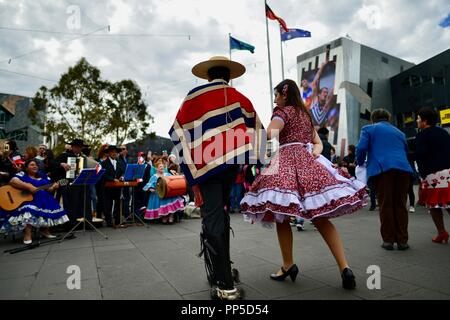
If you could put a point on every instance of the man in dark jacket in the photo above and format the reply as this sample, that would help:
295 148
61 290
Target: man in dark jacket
123 157
323 134
115 170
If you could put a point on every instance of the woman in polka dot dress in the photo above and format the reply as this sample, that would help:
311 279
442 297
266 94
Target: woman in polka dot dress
299 182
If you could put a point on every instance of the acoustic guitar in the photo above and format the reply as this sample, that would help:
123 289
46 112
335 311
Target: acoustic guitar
12 198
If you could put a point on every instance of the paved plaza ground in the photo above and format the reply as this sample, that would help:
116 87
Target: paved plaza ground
160 262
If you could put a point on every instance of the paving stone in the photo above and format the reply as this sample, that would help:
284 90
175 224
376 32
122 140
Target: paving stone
11 270
161 262
323 293
90 290
142 291
15 289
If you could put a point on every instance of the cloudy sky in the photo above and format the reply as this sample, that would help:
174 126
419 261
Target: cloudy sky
156 42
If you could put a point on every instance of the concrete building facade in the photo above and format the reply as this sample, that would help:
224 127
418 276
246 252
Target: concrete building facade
14 121
425 85
361 83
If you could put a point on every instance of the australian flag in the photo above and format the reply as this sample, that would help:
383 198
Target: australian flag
294 33
446 22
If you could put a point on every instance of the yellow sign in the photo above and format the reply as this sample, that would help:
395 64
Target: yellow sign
409 119
445 116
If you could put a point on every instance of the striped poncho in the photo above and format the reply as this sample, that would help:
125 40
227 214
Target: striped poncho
216 126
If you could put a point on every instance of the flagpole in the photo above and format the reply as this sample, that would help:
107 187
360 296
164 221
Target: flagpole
282 56
229 46
268 54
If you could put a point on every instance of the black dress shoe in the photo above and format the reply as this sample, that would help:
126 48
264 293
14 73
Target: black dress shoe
292 272
388 246
402 247
348 279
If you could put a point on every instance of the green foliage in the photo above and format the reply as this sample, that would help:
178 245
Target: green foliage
127 112
83 105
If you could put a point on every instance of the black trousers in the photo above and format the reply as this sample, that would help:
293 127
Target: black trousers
77 202
216 225
112 205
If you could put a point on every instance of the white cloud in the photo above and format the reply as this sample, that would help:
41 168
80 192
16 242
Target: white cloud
371 15
103 62
51 48
74 51
120 19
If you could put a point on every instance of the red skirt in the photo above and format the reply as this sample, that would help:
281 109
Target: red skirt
435 191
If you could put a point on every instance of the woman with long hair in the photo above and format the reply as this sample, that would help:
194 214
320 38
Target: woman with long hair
433 160
299 182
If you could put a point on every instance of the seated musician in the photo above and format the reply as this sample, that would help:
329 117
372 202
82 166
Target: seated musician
161 208
42 212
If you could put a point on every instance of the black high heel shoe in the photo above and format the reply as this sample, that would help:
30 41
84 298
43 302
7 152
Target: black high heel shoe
292 272
348 279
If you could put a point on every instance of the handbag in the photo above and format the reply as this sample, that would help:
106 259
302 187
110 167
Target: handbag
361 173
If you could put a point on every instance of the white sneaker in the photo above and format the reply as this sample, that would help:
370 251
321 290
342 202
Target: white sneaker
300 227
412 209
221 294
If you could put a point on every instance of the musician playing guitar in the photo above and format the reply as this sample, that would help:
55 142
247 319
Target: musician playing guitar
41 212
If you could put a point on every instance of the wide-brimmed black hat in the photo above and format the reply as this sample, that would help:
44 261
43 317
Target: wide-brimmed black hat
78 142
112 147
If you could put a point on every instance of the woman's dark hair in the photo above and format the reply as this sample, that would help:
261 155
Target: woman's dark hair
380 115
293 98
352 148
12 145
50 157
219 73
429 115
323 131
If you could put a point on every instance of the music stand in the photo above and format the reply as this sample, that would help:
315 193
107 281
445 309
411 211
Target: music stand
86 177
134 172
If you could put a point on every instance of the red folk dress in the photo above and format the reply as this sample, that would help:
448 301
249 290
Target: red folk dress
297 185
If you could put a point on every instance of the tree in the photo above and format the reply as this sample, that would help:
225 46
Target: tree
127 117
83 105
74 108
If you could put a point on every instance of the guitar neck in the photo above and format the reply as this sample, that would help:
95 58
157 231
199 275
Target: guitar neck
46 186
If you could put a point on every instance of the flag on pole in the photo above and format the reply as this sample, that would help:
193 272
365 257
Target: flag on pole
240 45
446 22
294 33
272 16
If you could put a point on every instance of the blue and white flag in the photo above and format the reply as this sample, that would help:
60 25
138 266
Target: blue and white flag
294 33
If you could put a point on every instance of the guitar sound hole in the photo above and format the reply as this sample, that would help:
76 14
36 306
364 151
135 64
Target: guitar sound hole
10 197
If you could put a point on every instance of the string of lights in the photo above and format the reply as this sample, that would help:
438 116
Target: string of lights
40 49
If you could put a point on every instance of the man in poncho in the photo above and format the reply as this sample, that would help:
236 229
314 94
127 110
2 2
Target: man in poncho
215 130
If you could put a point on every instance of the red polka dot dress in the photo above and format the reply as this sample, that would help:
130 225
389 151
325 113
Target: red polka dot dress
295 184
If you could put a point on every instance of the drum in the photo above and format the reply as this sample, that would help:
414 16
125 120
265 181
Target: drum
171 186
